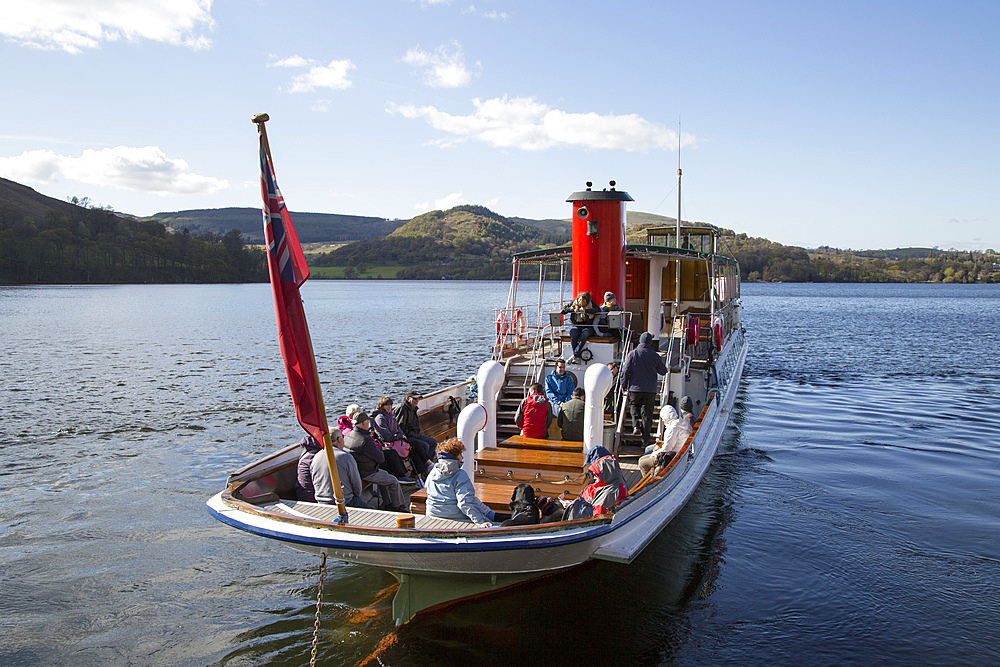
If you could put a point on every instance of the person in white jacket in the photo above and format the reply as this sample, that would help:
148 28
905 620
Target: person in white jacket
450 492
675 432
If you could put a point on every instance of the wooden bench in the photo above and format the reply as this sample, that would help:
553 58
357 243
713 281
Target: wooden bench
532 459
521 442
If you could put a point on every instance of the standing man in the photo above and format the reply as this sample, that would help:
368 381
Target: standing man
559 387
639 371
406 417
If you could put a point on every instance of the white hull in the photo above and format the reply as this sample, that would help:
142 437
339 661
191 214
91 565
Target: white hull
497 552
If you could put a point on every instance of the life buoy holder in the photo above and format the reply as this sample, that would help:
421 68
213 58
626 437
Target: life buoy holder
694 324
510 328
502 329
518 327
719 330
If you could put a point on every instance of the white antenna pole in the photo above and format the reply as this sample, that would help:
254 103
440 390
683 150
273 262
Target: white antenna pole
677 262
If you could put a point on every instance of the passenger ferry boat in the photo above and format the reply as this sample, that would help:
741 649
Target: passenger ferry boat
676 285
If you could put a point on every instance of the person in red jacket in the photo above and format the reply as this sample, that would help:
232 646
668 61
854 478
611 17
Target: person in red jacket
533 415
608 488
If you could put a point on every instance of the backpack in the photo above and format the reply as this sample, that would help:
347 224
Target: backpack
580 509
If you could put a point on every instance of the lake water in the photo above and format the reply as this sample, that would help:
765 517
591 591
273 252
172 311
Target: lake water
852 515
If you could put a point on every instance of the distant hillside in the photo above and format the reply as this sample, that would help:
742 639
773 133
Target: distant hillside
45 240
548 225
469 242
311 227
637 223
31 204
48 241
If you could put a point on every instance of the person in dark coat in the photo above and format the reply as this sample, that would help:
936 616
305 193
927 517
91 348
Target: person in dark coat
368 455
406 417
639 372
571 418
304 489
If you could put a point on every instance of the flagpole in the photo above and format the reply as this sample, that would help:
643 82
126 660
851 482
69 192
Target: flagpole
338 493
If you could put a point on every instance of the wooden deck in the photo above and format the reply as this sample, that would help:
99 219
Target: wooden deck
361 517
552 467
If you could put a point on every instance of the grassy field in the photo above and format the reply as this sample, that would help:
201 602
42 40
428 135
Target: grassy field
385 271
310 249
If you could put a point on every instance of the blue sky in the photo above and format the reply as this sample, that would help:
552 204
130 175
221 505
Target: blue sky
850 124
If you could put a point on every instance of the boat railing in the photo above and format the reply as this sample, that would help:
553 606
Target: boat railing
728 312
521 327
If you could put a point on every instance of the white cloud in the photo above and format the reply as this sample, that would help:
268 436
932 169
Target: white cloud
450 201
442 69
443 204
332 75
493 15
292 61
145 169
523 123
74 25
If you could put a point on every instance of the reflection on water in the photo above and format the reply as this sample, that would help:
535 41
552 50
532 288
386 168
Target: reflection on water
851 511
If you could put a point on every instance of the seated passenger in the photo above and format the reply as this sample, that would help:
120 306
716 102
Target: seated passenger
571 418
347 469
369 456
607 490
601 321
388 432
559 387
409 422
344 422
675 432
304 489
686 406
533 415
581 316
450 492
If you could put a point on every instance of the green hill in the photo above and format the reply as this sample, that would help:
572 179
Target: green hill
311 227
45 240
470 242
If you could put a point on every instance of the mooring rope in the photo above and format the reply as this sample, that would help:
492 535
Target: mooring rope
319 602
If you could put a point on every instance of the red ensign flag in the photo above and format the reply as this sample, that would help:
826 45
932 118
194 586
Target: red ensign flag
287 267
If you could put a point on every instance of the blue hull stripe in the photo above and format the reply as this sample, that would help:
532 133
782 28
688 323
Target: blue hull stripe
433 547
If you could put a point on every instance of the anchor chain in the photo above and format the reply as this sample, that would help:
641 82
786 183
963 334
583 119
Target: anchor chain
319 602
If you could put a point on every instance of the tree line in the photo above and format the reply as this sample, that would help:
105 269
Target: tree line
765 261
94 245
